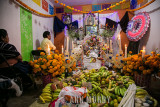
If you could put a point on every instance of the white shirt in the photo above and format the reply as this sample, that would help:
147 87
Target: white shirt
45 43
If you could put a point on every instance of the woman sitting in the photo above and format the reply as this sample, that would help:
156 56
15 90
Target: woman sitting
11 63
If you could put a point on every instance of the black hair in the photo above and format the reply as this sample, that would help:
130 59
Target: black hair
3 34
45 34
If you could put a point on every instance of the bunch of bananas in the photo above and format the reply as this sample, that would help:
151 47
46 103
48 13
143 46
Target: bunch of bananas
55 94
120 91
46 95
141 93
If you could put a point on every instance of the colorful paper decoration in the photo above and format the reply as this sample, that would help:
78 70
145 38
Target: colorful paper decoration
38 2
59 10
116 7
96 7
105 6
45 5
125 5
51 10
87 8
78 8
26 34
66 10
133 4
138 26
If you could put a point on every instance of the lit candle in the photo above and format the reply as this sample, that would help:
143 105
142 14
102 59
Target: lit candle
119 38
125 51
62 49
143 52
48 50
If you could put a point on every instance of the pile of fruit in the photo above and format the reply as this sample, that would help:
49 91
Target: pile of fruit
101 84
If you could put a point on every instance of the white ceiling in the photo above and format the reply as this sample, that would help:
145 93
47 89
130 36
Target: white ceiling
82 2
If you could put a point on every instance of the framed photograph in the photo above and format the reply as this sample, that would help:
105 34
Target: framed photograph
90 19
91 29
67 18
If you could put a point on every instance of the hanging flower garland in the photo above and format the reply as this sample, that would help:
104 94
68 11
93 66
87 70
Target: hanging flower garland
32 10
99 11
138 26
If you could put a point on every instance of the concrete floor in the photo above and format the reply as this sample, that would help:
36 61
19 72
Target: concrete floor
28 97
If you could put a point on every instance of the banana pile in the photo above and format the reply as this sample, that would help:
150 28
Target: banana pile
48 95
142 98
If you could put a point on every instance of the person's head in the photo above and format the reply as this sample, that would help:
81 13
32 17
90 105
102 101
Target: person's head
4 36
47 34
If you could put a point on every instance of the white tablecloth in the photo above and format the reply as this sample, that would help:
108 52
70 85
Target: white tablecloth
92 65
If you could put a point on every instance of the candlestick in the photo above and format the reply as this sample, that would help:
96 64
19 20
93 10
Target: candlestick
48 50
62 49
72 45
119 38
143 52
110 44
125 51
67 43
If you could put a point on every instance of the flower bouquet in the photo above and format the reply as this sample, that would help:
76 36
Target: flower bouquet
48 66
142 67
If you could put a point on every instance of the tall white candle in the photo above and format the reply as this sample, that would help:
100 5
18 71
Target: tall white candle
125 51
48 50
67 43
143 52
110 44
119 39
62 49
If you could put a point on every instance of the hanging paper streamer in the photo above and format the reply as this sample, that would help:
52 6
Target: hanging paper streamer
51 10
87 8
133 4
138 26
66 10
78 8
96 7
139 1
105 6
59 10
45 5
125 5
144 2
116 7
38 2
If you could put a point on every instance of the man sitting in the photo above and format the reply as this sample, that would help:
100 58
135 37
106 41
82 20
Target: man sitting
46 43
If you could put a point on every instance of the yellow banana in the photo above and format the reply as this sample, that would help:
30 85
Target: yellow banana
43 101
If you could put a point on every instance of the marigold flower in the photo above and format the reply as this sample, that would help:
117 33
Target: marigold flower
49 57
42 53
35 61
56 51
141 68
36 66
44 60
56 1
144 72
130 52
39 48
44 67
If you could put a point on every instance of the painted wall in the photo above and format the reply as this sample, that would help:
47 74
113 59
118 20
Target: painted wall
152 38
10 20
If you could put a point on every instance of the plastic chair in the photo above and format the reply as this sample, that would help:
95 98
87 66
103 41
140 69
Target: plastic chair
36 53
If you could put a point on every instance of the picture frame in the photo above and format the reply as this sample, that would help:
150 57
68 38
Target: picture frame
91 29
67 18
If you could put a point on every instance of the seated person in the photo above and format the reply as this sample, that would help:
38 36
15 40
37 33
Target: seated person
10 57
46 42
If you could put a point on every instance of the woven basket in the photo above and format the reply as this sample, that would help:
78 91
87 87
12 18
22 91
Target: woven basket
46 79
142 80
